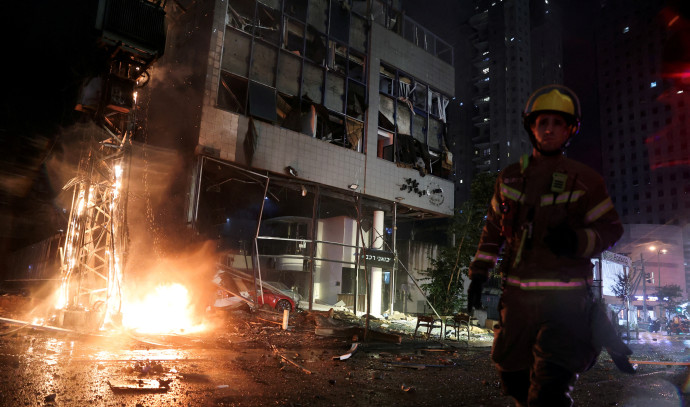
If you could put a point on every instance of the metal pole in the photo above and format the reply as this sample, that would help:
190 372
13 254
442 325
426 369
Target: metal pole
257 261
314 229
644 289
395 228
658 272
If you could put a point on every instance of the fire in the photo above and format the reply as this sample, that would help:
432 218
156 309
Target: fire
167 309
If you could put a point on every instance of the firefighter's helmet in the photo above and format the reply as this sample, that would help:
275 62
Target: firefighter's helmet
552 99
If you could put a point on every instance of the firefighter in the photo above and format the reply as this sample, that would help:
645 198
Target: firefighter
548 216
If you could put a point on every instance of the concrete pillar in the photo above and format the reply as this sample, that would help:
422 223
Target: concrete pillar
377 272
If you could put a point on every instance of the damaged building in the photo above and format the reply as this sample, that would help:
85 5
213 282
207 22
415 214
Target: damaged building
314 141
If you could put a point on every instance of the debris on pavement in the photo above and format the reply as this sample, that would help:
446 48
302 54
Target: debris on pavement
139 385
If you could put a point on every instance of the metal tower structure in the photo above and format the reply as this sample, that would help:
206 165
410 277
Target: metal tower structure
132 33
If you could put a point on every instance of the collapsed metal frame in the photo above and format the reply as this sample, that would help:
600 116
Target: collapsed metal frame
92 257
132 35
193 212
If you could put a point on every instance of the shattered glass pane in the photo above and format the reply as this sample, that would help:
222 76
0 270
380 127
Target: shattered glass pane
356 100
293 38
232 93
420 96
355 69
316 46
241 14
268 24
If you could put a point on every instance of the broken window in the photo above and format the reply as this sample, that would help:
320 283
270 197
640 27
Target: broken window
335 131
355 68
386 113
340 21
356 100
420 96
335 90
435 104
236 53
318 14
316 46
312 82
289 68
293 37
263 63
405 89
355 133
384 145
337 56
358 34
262 101
297 9
296 116
268 23
241 14
232 92
387 81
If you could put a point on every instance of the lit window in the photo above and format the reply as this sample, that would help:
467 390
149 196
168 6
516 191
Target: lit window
626 30
652 85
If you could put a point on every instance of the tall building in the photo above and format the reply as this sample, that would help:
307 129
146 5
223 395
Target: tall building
298 121
644 99
517 47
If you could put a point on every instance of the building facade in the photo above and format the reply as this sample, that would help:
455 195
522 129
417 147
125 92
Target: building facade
311 130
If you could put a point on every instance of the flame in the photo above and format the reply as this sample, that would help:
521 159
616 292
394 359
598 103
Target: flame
167 309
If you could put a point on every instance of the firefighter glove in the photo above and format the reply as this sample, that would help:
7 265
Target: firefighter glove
562 240
474 293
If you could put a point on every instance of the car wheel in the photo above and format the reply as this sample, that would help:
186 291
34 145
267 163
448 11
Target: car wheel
283 305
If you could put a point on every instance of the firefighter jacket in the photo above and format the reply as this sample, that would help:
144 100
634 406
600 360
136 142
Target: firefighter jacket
532 197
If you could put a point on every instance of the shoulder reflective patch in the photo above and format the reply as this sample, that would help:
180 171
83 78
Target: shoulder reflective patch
547 199
596 212
511 193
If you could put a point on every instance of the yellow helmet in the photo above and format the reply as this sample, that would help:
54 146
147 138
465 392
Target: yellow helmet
553 99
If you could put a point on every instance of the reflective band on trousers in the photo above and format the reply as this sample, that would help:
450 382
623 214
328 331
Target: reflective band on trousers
548 284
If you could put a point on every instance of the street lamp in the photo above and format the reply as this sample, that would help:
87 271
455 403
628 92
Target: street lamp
659 251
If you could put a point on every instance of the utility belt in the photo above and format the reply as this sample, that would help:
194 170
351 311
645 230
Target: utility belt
533 284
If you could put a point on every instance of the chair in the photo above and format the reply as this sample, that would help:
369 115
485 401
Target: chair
428 322
456 323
